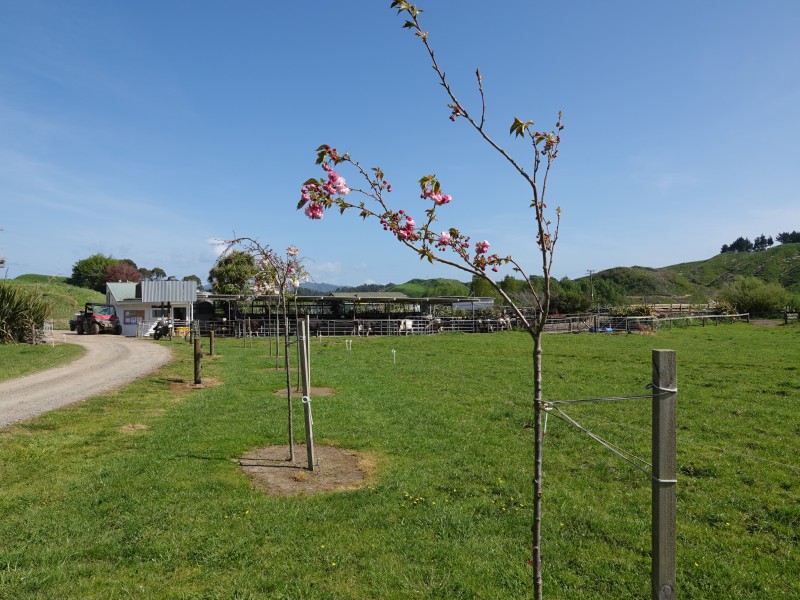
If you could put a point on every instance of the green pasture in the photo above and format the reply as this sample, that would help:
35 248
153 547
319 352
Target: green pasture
17 360
137 493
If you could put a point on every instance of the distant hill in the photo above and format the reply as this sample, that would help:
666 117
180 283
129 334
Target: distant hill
315 289
779 264
700 280
428 288
415 288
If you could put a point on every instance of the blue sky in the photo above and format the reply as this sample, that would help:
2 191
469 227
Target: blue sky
146 129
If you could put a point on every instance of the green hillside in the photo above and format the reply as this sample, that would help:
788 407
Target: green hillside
659 283
701 280
428 288
64 298
780 264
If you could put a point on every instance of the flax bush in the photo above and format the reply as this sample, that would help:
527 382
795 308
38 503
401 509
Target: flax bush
21 311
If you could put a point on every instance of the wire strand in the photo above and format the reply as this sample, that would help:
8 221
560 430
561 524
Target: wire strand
618 451
609 399
659 392
720 449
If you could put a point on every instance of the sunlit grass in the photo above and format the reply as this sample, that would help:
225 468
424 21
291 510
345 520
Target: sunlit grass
17 360
93 508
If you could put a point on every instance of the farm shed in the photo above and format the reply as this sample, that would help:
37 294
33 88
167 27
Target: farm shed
149 301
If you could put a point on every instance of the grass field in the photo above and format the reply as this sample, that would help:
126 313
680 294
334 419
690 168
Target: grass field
17 360
137 494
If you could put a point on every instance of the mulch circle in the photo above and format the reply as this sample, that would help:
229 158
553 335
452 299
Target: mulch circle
208 382
337 469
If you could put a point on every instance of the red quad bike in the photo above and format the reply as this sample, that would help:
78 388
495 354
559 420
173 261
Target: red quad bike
98 318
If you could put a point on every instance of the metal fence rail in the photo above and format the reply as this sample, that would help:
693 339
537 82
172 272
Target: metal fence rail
265 328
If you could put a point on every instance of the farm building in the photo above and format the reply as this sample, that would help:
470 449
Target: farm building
140 305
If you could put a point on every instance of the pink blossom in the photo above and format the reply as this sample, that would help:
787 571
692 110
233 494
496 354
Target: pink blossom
292 251
335 184
314 211
482 247
444 239
341 186
440 199
406 232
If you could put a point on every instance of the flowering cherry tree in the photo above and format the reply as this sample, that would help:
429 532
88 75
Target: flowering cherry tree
276 275
449 245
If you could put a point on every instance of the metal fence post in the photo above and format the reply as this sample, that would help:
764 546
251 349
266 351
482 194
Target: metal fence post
306 381
664 484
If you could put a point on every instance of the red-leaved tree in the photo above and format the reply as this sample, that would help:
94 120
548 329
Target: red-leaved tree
451 246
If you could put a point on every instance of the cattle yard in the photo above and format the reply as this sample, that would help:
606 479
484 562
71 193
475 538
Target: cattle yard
381 315
337 316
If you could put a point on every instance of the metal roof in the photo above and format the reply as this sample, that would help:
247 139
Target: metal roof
169 291
368 295
115 292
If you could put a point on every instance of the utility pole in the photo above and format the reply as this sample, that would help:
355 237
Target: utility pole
2 258
591 284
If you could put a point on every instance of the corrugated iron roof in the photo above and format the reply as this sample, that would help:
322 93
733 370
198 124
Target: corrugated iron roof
368 295
169 291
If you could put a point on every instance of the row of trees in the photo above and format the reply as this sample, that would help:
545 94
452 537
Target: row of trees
762 242
743 244
234 273
97 270
567 296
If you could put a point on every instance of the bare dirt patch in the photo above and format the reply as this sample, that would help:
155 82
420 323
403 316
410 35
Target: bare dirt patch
134 427
766 322
338 469
314 391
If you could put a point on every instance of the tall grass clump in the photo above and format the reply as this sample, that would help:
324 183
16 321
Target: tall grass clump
21 311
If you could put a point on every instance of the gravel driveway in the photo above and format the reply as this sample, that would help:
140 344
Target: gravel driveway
110 361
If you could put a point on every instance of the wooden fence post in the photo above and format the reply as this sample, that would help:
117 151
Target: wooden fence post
305 376
198 360
664 484
211 343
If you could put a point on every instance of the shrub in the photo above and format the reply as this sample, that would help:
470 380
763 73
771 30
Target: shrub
21 310
751 295
633 310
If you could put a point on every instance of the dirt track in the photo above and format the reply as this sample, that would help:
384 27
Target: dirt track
110 361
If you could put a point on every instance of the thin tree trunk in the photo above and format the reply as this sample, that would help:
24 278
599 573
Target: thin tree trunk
537 472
